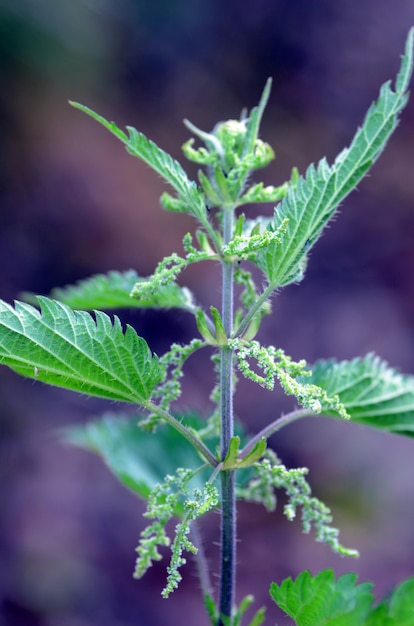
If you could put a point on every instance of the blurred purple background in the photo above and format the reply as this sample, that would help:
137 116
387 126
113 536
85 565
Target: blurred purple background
74 203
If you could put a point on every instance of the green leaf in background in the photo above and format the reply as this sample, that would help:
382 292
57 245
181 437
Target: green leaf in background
140 460
113 291
74 350
398 610
314 200
323 601
373 393
137 458
168 168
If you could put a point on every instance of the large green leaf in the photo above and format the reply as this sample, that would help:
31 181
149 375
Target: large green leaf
169 169
113 291
314 200
323 601
138 459
72 349
372 392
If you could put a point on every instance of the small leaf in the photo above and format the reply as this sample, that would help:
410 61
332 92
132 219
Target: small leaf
245 604
255 118
137 458
223 187
211 194
171 203
233 460
73 350
323 601
218 323
204 243
211 609
238 227
312 203
230 460
203 328
168 168
373 393
199 155
259 193
254 455
259 617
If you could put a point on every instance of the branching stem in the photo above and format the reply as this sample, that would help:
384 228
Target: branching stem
273 427
244 324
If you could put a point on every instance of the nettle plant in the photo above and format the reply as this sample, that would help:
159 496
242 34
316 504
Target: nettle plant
186 465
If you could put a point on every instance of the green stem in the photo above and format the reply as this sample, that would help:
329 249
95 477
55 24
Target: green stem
228 498
273 427
228 547
185 432
253 310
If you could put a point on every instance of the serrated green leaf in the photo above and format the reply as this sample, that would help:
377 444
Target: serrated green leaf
312 203
74 350
372 392
113 291
137 458
323 601
168 168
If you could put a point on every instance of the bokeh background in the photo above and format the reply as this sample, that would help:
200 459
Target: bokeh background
73 203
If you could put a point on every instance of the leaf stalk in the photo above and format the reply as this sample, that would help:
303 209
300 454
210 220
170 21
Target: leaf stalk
201 448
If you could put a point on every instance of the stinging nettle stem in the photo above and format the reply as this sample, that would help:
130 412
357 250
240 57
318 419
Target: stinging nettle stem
228 505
